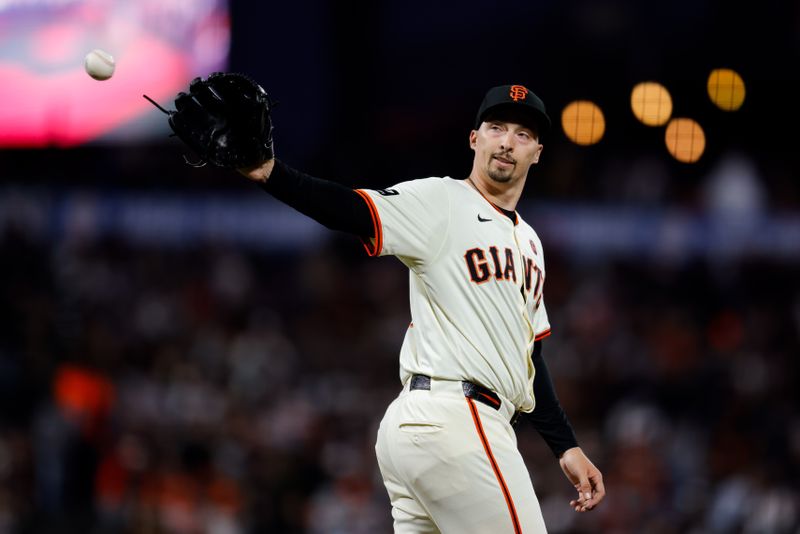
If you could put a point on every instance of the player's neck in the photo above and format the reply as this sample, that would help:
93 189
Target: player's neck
503 195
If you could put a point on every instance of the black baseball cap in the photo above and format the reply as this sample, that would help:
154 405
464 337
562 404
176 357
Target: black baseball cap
516 99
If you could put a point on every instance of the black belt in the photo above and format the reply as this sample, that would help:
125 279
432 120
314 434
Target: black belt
471 390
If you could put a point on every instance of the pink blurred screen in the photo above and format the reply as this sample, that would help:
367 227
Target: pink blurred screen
46 97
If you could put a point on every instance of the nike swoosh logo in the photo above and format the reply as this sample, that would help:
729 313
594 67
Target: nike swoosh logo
481 219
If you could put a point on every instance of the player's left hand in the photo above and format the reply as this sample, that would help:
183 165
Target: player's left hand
586 478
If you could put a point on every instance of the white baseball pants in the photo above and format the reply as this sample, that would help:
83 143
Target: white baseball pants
451 465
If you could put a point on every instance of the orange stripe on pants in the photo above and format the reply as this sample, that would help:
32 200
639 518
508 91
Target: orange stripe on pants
496 468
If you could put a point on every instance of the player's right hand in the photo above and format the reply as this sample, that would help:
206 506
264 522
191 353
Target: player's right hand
586 478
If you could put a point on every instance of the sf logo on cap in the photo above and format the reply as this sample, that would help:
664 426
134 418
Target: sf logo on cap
518 92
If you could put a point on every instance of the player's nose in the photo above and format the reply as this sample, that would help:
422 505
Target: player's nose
507 141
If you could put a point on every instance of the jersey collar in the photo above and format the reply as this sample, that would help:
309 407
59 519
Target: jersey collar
512 215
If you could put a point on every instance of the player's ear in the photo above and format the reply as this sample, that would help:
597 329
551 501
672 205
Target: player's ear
473 136
538 154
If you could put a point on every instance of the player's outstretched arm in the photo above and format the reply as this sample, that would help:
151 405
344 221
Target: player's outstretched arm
586 478
334 205
225 119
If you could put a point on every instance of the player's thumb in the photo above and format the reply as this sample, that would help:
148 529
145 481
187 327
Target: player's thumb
584 487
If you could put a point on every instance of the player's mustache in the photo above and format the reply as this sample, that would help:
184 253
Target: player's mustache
504 156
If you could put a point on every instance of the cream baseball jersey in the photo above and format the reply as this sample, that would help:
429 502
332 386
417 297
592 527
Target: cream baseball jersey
476 283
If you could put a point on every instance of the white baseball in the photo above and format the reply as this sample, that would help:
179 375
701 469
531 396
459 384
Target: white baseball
99 64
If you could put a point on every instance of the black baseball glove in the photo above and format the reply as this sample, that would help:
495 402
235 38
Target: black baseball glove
225 120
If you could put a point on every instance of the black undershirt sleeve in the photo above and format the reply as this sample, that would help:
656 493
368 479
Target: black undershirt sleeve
334 205
548 416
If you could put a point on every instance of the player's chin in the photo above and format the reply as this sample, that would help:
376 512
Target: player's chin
501 176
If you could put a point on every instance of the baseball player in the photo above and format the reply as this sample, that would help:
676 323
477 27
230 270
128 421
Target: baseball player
471 361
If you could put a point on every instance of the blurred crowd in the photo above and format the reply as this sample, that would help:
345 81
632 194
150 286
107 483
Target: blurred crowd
221 390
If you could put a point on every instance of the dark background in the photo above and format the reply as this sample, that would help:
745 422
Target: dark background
375 92
224 383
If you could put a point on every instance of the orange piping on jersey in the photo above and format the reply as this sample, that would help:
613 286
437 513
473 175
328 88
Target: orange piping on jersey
373 249
542 335
500 480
